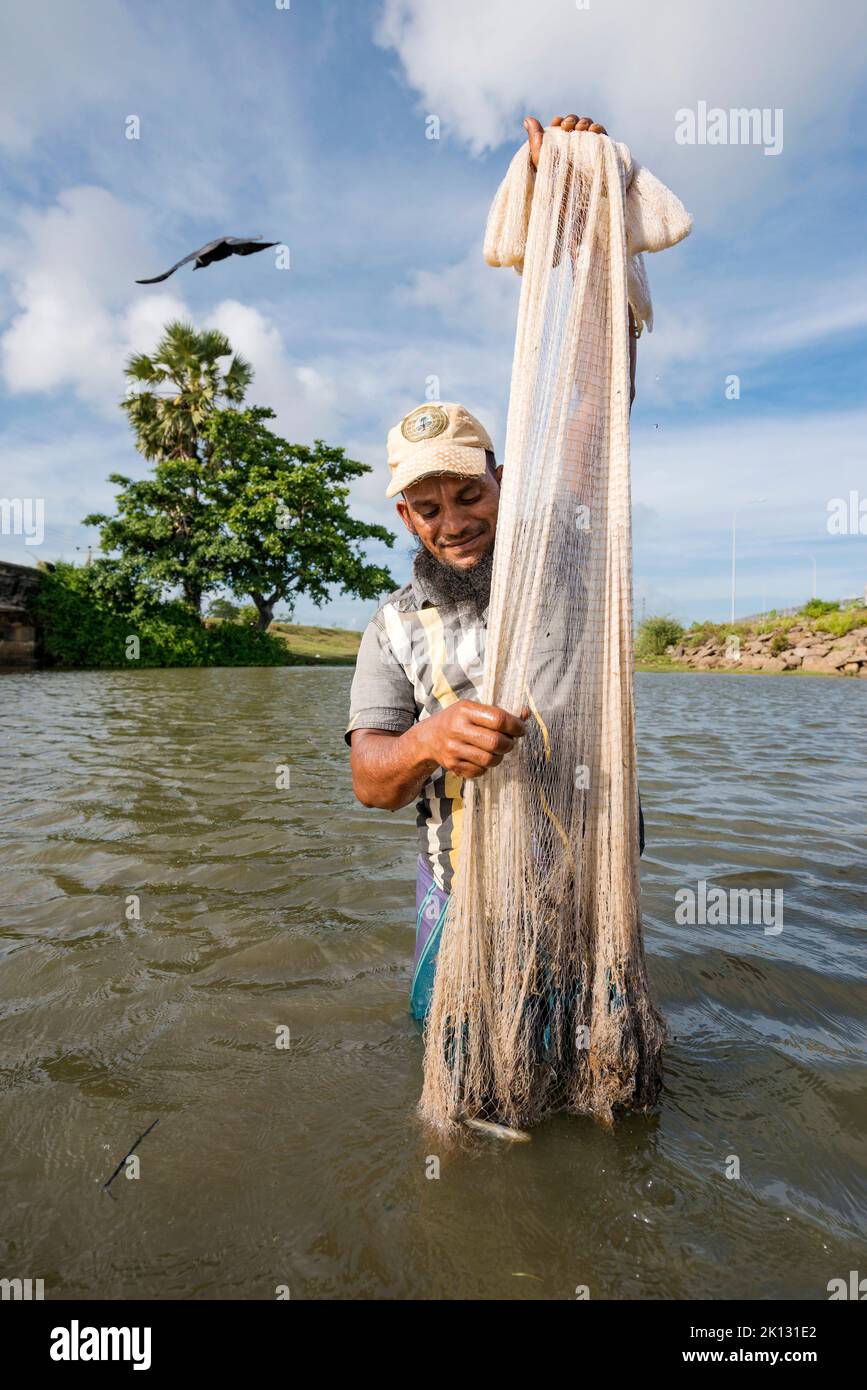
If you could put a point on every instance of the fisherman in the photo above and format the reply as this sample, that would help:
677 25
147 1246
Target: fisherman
417 728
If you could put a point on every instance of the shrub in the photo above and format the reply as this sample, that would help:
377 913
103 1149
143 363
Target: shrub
77 625
81 629
838 624
655 634
779 643
234 644
818 607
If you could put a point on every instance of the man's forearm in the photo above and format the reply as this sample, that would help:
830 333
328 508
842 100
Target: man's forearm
389 770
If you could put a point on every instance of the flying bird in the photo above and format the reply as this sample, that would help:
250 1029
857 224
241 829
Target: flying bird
215 251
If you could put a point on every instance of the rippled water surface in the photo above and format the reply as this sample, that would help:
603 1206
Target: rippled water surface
263 908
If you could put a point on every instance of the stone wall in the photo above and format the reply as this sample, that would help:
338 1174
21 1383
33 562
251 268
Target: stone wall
799 648
19 638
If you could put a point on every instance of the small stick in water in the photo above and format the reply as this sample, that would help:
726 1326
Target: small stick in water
107 1185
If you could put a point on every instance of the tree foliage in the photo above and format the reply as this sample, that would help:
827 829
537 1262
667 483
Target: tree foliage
285 524
164 530
171 396
83 627
174 390
228 504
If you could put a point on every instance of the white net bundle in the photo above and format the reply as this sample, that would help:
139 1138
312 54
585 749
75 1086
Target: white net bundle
541 999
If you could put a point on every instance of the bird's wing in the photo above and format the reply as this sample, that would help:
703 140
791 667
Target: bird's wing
211 245
246 248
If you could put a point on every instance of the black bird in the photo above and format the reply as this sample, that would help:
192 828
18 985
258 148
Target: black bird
215 251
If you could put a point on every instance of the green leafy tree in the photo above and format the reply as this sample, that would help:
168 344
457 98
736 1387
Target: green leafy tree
172 394
222 608
165 532
283 509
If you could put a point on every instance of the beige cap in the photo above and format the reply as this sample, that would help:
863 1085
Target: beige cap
441 437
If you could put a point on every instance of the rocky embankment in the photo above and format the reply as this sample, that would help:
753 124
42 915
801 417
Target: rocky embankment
798 648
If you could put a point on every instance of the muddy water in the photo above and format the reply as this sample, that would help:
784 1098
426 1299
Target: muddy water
168 912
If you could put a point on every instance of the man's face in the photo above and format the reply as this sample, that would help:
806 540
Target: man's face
454 518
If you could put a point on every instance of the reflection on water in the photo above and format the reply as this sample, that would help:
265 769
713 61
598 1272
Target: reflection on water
166 910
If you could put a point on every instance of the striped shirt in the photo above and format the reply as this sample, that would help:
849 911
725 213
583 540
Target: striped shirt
419 654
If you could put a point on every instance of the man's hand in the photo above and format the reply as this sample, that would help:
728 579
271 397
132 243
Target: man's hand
468 737
535 131
389 770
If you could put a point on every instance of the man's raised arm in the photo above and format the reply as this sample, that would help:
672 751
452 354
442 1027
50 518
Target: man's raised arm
535 133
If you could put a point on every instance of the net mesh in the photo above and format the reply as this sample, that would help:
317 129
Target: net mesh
541 999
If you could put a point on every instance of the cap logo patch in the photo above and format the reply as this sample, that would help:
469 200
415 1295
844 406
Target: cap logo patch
426 422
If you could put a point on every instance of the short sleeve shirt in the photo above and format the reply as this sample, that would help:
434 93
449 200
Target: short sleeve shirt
419 654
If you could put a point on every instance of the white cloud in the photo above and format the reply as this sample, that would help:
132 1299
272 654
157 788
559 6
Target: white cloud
482 67
74 319
302 400
77 315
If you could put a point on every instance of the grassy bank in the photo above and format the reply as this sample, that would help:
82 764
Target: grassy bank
318 646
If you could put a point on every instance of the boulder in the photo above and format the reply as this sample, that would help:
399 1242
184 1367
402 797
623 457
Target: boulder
836 659
819 664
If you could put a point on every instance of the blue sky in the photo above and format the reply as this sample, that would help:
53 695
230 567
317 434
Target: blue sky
308 125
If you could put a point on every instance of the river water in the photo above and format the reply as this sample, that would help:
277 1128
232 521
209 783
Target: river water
262 909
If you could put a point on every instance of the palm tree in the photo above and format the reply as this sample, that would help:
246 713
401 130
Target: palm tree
180 385
168 423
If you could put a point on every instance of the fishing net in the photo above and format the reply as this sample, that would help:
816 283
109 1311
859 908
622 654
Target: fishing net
541 999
